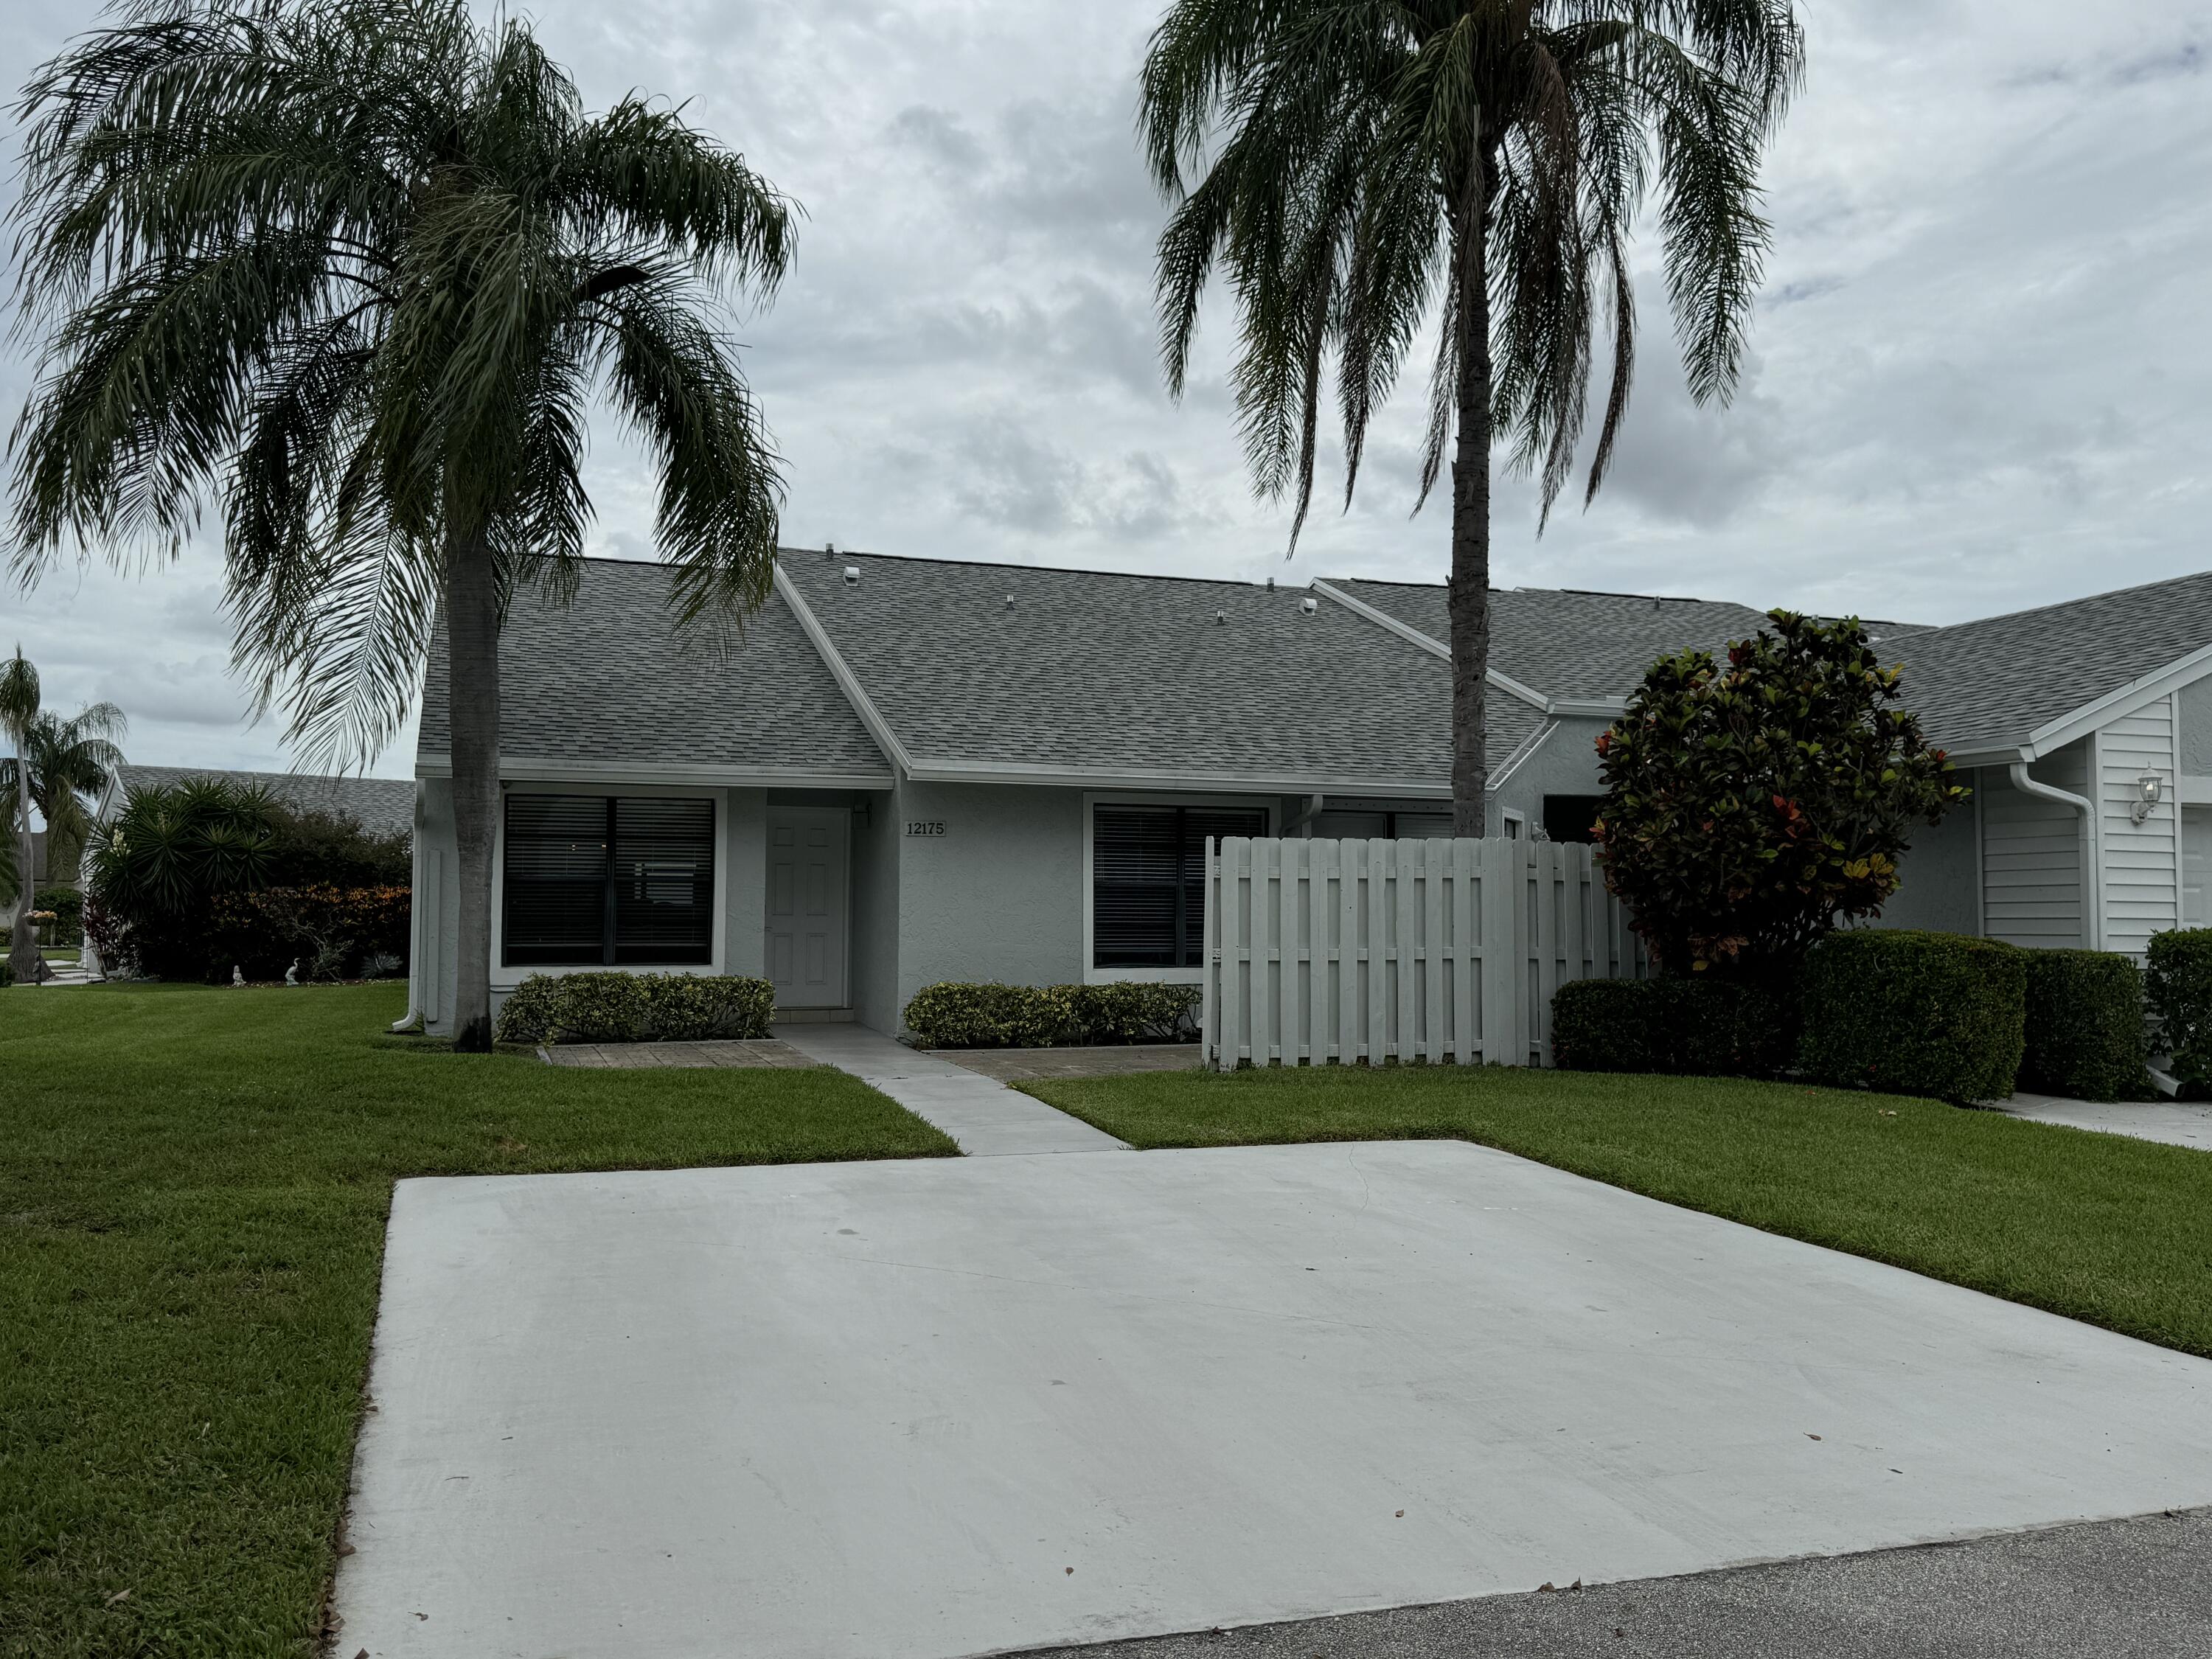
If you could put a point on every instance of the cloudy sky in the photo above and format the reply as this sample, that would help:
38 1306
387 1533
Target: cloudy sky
1981 379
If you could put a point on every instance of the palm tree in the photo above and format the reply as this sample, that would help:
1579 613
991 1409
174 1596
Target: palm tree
1360 158
70 761
18 720
359 268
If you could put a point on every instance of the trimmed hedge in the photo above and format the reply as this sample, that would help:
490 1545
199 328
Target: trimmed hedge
609 1007
1685 1027
2086 1037
2179 990
948 1015
1914 1013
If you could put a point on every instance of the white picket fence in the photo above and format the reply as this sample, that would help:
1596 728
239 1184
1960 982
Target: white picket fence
1320 952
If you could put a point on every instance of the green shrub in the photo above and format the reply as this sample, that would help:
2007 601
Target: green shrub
67 905
2086 1037
947 1015
611 1007
1914 1013
1685 1027
1752 801
2180 989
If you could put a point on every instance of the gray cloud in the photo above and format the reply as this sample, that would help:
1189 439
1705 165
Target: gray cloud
1979 378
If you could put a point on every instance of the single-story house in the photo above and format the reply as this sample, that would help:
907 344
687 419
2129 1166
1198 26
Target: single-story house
906 770
382 807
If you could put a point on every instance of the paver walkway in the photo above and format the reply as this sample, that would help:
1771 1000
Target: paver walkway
984 1116
1115 1060
2180 1123
764 1051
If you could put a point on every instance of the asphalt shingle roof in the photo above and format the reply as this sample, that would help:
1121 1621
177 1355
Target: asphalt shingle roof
1569 644
1989 684
1093 671
383 806
606 679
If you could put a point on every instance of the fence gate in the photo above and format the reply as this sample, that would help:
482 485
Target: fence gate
1345 952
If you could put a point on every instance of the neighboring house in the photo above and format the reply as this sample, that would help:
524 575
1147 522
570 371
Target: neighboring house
906 770
383 806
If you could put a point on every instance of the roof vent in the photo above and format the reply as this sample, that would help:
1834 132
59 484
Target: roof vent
1309 606
1221 619
852 574
1010 601
1271 584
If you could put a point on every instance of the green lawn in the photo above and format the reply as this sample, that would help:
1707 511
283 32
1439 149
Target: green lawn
2115 1232
193 1186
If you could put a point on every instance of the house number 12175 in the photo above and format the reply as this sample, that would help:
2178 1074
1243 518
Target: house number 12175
925 826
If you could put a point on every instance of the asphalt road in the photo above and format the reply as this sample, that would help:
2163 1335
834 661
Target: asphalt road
2138 1589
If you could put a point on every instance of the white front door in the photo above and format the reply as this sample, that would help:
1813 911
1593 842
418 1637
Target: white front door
2196 865
807 883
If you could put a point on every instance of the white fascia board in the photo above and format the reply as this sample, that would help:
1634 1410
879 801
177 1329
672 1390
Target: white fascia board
841 672
1529 746
2118 704
1603 708
567 769
1241 783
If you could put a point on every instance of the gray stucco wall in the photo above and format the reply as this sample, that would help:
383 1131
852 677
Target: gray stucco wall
1564 763
434 922
999 896
1940 877
744 849
873 965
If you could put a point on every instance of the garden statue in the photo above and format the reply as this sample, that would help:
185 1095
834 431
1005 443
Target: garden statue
292 974
237 974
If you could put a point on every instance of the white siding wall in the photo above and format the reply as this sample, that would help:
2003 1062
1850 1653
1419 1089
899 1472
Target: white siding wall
2142 862
2032 856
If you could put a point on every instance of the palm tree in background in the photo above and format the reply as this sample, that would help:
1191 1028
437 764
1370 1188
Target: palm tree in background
356 270
1359 163
70 762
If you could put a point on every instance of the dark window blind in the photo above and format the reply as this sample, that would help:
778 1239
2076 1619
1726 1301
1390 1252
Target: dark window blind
594 879
1148 881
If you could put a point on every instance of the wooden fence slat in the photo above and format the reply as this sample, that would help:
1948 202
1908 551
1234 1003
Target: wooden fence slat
1320 950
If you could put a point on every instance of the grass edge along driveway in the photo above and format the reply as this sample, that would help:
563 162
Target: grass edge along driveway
2111 1231
194 1189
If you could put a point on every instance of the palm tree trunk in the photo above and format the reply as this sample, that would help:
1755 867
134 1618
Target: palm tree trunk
1469 601
24 956
473 681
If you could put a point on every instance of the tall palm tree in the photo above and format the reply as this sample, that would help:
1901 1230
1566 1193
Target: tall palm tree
19 715
1357 160
358 269
70 761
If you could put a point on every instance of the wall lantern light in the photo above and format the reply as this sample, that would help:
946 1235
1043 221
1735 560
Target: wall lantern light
2148 788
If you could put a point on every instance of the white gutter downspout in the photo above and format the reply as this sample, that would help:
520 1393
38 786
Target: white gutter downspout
2092 908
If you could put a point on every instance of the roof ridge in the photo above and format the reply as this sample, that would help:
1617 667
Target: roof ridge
1047 570
2061 604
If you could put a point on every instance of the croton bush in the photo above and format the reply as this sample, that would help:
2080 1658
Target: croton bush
1753 802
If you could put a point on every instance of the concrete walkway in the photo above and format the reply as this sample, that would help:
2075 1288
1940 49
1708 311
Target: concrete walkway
2180 1123
951 1407
984 1116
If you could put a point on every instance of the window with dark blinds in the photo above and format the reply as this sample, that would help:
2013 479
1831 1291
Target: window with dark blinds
599 879
1148 881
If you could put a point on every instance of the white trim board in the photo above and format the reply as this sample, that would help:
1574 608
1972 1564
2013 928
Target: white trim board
533 769
1505 682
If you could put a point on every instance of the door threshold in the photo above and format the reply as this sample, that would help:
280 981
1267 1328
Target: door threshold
815 1016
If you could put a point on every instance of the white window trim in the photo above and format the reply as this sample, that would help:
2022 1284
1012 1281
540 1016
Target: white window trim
1270 808
1511 816
506 977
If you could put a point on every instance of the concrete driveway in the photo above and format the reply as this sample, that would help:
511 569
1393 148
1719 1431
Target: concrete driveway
952 1407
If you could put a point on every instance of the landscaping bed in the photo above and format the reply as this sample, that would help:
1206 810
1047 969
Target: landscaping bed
2097 1227
193 1187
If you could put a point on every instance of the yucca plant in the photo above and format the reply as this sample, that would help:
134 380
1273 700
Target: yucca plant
1358 168
356 270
